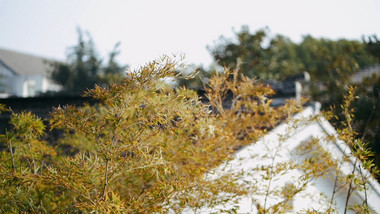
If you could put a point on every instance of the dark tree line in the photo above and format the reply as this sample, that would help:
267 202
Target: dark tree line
84 68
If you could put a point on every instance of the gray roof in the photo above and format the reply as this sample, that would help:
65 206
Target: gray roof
25 64
366 73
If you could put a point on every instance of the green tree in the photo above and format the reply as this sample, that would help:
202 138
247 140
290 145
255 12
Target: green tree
84 68
373 46
248 49
330 63
273 61
368 105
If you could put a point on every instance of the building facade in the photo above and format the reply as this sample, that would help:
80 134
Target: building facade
24 75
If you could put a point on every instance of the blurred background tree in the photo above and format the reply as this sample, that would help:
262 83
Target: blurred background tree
84 68
273 61
199 76
330 63
373 46
368 105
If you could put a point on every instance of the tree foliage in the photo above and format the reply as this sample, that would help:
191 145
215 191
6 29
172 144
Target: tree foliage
373 46
145 148
85 68
330 63
273 61
368 105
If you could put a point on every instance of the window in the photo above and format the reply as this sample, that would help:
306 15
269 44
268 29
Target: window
29 89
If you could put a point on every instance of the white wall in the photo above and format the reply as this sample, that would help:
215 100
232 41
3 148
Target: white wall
12 84
49 85
7 81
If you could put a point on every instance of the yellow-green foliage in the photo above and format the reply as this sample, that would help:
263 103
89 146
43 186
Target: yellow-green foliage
145 148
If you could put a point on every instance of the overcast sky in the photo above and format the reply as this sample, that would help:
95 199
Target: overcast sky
148 29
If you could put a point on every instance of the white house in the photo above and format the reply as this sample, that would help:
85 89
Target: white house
285 144
24 75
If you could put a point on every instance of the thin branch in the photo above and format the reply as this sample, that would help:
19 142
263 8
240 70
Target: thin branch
12 156
107 170
33 160
105 179
364 180
334 191
350 188
270 181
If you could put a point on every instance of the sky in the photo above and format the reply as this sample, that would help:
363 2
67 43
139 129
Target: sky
148 29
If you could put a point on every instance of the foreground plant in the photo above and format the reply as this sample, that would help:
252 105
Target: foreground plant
144 148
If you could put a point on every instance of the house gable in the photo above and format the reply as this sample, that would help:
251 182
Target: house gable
25 64
251 163
25 75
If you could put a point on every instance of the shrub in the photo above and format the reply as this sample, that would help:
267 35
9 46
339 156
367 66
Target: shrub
145 148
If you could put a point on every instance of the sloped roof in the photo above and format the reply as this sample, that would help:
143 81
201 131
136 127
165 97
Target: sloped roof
25 64
250 164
